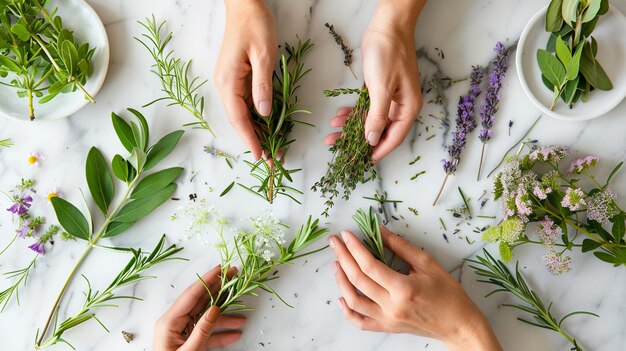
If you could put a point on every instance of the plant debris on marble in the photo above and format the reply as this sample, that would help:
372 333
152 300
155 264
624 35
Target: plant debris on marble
142 194
173 73
347 52
352 154
274 130
496 273
569 66
564 203
39 56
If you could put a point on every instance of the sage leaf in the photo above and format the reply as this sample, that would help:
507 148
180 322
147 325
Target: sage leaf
123 131
70 218
137 159
138 209
551 68
162 149
155 182
592 71
120 168
99 180
140 138
604 7
569 10
592 10
554 19
144 127
573 67
116 228
563 52
571 87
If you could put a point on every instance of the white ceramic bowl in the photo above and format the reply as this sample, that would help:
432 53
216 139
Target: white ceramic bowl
611 37
79 17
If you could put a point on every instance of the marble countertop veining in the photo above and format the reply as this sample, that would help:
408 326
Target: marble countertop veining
451 36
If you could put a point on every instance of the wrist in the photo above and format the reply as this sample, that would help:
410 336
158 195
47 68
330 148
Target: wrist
476 336
239 5
398 15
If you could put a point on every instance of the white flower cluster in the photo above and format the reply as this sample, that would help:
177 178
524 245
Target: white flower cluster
268 231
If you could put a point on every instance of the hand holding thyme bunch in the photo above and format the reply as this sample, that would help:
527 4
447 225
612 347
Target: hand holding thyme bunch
38 55
557 201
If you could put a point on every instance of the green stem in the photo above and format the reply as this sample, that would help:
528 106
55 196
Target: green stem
92 243
9 245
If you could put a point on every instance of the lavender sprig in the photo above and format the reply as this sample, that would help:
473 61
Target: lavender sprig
465 124
489 108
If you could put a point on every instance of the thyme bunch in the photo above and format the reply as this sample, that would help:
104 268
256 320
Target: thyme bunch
496 273
254 251
352 162
347 52
173 73
94 299
274 130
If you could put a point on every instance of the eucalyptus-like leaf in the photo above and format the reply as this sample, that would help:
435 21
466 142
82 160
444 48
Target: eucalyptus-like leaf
155 182
99 180
117 228
592 10
140 208
563 52
554 19
570 10
569 92
137 159
162 149
573 67
120 168
145 132
551 68
71 219
124 133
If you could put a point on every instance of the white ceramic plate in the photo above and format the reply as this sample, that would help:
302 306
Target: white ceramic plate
611 54
79 17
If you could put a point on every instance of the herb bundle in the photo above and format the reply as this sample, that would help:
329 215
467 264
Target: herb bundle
370 227
173 73
274 130
352 154
496 273
94 299
569 66
142 195
259 252
39 56
534 188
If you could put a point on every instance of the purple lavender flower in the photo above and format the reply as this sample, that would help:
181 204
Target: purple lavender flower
23 231
489 108
38 247
465 122
21 205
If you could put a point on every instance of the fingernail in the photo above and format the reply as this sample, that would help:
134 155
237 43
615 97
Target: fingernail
340 304
345 236
373 138
331 242
212 313
265 108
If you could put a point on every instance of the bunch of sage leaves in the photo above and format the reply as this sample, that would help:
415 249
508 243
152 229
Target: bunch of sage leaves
569 66
39 56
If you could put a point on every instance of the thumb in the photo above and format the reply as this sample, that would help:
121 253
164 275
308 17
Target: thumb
262 88
199 338
377 116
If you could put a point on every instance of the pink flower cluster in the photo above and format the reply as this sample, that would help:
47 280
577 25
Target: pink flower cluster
574 199
553 153
557 263
548 232
601 207
582 164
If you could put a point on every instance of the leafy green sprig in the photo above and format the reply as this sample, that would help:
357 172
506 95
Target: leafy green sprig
352 161
370 227
94 300
43 56
143 194
496 273
13 290
274 131
254 251
569 65
173 73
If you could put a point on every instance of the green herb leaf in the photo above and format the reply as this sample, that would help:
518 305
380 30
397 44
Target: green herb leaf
155 182
99 180
619 227
140 208
592 10
21 31
124 133
137 159
569 10
569 92
145 132
590 245
573 67
71 219
592 71
120 168
554 19
117 228
162 148
551 68
228 188
562 52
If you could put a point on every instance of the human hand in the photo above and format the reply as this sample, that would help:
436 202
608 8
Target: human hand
427 301
391 74
185 328
245 67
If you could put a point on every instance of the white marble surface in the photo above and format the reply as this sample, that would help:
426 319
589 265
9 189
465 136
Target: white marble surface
465 31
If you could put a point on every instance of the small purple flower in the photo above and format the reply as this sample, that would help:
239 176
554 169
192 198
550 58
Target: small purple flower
465 122
557 263
601 207
548 232
552 153
38 247
23 231
489 108
21 205
574 199
582 164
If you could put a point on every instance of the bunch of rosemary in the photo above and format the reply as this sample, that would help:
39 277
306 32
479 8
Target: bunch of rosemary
274 130
39 56
370 227
352 162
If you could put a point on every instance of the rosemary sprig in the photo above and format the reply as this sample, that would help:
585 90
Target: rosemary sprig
253 251
6 142
274 130
173 73
94 300
370 227
352 161
497 273
21 275
347 52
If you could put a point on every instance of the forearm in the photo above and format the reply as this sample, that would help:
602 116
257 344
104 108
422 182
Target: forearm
401 14
476 337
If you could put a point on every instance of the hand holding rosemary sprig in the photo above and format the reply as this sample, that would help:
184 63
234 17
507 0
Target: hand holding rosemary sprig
370 227
569 66
43 58
499 275
352 153
274 130
141 196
